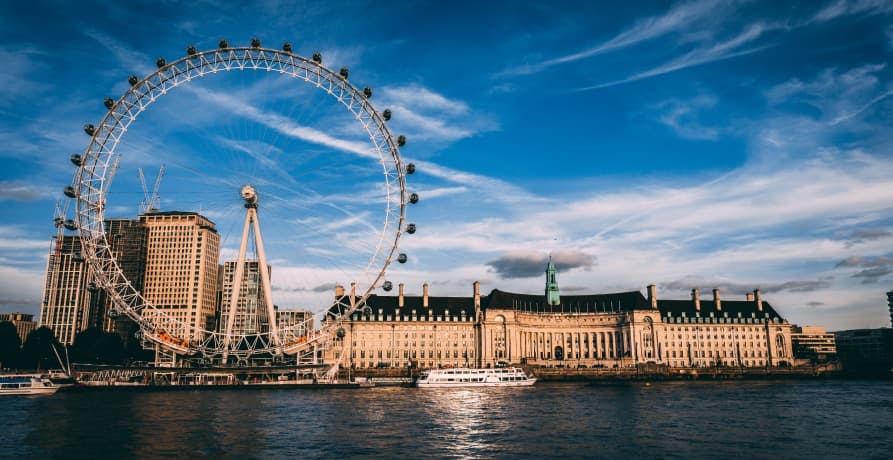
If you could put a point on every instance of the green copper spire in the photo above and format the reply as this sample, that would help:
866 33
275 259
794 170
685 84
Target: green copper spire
552 297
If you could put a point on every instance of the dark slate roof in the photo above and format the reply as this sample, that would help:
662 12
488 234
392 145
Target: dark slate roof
733 307
594 303
454 305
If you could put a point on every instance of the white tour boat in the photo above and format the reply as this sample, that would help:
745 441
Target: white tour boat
26 385
464 377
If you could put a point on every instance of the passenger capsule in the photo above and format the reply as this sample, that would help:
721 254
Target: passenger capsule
401 140
69 224
223 44
89 129
255 42
113 313
160 62
69 192
133 80
286 47
190 50
138 335
57 222
367 91
386 114
109 102
387 286
344 72
92 287
402 258
410 168
414 198
77 159
410 229
317 58
340 333
77 258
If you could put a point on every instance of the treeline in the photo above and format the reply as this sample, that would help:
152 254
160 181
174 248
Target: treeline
91 346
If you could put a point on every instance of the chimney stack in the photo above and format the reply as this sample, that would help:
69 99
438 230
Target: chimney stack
477 294
652 295
425 295
750 296
716 300
696 298
400 298
339 291
758 298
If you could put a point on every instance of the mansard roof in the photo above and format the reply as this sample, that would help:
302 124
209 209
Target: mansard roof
593 303
440 305
746 308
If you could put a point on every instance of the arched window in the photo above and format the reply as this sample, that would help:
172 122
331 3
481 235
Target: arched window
779 344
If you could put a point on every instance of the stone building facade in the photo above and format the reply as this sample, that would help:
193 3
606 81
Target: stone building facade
67 305
23 322
182 255
602 330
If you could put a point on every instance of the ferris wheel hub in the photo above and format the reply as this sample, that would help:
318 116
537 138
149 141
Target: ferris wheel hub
250 196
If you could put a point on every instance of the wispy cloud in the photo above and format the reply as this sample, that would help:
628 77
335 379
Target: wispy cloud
873 270
840 96
736 46
24 191
869 234
677 19
682 117
425 115
739 288
840 8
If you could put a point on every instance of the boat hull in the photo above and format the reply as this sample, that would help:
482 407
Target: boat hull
29 391
525 383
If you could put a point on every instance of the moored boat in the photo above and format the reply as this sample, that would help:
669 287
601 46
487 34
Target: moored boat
465 377
26 385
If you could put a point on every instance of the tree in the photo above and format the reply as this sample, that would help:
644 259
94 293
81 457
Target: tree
85 348
110 349
134 349
10 344
38 350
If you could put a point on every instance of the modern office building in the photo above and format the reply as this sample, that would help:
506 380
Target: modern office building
294 323
23 322
67 306
601 330
128 243
812 342
251 308
866 349
182 255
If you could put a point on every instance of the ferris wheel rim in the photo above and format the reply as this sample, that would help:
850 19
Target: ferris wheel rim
91 191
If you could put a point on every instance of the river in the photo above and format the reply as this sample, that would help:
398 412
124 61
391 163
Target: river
732 419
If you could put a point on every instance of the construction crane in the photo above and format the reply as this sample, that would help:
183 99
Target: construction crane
151 201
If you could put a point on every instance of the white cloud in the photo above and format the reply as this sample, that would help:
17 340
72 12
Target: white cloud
678 19
837 94
839 8
736 46
681 116
424 115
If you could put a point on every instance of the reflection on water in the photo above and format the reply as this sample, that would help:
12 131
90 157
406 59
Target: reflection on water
679 420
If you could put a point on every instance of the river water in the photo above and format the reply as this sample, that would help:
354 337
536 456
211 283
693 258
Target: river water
779 419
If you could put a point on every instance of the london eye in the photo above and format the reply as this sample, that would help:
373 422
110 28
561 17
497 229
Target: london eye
361 260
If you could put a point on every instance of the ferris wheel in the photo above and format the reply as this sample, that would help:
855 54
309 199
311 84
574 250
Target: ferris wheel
159 326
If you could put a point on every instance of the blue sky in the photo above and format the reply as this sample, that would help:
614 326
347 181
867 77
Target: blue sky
737 145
